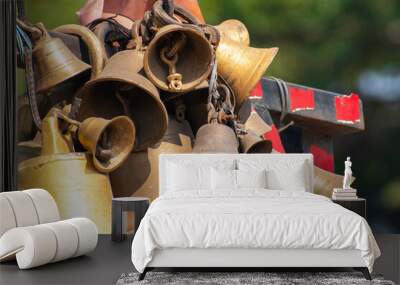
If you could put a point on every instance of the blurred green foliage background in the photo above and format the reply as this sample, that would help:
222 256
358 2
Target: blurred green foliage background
344 46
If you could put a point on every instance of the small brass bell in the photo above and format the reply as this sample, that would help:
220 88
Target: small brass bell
122 89
178 58
215 138
252 143
234 30
242 67
109 141
55 63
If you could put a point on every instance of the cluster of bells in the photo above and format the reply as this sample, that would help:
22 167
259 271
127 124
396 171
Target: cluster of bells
203 74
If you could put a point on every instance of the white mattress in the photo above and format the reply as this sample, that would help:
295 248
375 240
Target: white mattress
252 219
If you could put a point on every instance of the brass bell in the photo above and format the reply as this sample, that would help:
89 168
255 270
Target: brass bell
122 89
215 138
234 30
109 141
325 181
55 63
252 143
242 66
178 58
256 124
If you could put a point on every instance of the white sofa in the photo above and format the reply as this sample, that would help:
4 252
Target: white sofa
31 232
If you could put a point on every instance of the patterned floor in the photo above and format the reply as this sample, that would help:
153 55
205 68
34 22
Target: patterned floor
242 278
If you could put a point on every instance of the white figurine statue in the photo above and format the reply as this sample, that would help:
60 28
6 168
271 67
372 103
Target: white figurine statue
347 174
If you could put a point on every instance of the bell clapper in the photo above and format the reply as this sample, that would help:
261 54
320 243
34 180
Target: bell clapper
170 57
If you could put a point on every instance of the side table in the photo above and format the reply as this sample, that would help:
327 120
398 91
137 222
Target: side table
357 205
122 205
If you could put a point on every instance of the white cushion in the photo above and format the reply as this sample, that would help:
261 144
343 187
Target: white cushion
223 179
40 244
282 174
46 207
251 178
7 218
183 177
23 208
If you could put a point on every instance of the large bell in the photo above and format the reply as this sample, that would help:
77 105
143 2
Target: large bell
256 124
144 164
122 89
178 54
252 143
325 181
242 66
54 62
234 30
215 138
70 177
109 141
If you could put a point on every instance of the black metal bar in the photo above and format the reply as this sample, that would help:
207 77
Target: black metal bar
8 96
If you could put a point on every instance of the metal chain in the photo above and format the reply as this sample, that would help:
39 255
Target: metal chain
30 83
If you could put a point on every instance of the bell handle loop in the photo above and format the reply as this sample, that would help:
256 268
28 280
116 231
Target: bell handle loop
96 50
61 115
37 31
135 34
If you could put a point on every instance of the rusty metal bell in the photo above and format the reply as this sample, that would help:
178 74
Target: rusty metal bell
178 58
70 177
215 138
242 66
122 89
109 141
54 62
252 143
234 30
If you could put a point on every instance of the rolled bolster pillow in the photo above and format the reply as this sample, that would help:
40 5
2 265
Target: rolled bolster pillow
40 244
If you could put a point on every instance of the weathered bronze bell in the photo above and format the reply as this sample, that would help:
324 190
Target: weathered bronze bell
252 143
242 66
325 181
55 63
234 30
109 141
70 177
178 58
256 124
122 89
215 138
144 164
97 54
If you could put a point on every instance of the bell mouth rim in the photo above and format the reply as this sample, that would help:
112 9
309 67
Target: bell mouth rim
84 91
186 87
124 153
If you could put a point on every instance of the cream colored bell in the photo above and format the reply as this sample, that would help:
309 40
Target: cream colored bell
242 67
234 30
71 178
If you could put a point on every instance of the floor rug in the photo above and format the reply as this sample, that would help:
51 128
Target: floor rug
244 278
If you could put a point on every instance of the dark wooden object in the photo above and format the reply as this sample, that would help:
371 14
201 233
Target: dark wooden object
358 206
138 205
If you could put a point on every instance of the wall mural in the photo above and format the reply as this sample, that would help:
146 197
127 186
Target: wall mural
105 100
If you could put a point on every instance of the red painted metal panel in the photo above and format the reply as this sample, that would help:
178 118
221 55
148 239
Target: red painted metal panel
257 92
322 158
348 108
273 136
301 99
